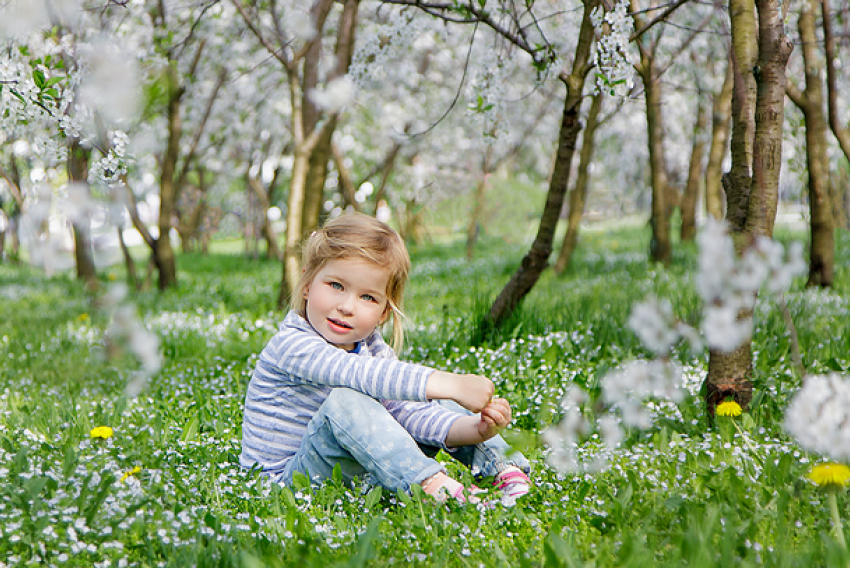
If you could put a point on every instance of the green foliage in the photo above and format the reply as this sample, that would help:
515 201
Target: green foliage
680 493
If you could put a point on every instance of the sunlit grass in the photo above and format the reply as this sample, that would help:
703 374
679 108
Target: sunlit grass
677 494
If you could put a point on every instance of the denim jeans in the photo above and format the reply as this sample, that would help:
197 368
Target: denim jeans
355 431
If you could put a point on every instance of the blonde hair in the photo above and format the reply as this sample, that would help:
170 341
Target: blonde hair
354 235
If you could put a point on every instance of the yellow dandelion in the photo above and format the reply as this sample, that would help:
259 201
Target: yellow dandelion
83 317
130 473
728 408
833 475
111 276
101 432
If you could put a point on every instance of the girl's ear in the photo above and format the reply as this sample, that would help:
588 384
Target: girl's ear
385 315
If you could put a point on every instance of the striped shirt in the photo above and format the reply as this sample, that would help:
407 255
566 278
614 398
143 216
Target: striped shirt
296 372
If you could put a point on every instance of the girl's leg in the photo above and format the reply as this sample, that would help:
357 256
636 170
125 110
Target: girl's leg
356 431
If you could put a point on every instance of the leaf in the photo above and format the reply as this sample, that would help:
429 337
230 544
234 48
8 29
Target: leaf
373 497
38 78
190 431
557 551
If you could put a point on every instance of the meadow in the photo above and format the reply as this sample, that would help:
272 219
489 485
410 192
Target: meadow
165 488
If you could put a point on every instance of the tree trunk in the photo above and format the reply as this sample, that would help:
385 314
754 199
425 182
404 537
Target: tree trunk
78 169
721 111
537 258
661 247
841 132
478 199
266 229
163 254
811 103
690 196
132 277
295 207
758 114
578 195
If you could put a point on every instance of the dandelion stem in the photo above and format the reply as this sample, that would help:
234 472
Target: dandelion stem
836 518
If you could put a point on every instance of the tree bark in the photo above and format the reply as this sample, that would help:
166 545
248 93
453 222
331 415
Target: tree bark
578 195
811 102
690 196
478 199
721 113
78 169
537 258
753 182
266 229
660 246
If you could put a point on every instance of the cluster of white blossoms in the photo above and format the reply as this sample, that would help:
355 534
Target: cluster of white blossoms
336 95
728 284
615 68
819 416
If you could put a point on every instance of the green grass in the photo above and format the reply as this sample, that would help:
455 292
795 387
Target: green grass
673 495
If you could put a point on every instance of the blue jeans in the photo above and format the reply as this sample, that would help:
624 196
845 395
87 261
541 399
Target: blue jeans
357 432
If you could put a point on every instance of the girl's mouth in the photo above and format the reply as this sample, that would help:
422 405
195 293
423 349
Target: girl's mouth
335 323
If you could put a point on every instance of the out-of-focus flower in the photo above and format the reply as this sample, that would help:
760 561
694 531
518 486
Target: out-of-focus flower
103 432
819 416
834 475
729 408
653 323
336 95
723 329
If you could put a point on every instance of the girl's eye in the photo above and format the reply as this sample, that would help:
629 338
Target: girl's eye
368 298
335 285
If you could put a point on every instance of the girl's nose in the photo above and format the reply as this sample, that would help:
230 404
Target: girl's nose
346 305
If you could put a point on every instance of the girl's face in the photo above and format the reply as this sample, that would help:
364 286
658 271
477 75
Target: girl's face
347 300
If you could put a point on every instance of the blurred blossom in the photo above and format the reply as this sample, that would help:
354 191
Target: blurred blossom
819 416
652 321
111 84
126 333
19 18
300 24
723 330
79 206
337 94
612 433
716 260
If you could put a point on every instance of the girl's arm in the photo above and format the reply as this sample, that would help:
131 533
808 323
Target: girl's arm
468 430
472 392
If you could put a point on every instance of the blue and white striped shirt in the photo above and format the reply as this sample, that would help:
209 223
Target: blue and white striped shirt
296 372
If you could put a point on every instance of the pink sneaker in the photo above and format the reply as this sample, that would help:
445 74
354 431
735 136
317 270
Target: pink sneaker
513 483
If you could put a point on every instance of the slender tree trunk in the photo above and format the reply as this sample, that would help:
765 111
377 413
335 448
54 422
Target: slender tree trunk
661 247
346 186
163 253
132 277
578 195
291 258
811 103
721 113
841 132
537 258
266 229
690 196
478 200
78 169
758 114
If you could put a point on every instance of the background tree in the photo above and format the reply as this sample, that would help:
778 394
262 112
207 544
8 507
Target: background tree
810 101
295 39
760 56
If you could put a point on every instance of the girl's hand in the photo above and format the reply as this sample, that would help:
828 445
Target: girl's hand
472 392
495 417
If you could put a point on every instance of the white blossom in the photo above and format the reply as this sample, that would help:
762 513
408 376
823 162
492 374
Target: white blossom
819 416
335 96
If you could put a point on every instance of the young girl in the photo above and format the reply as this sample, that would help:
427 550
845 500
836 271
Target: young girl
327 390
